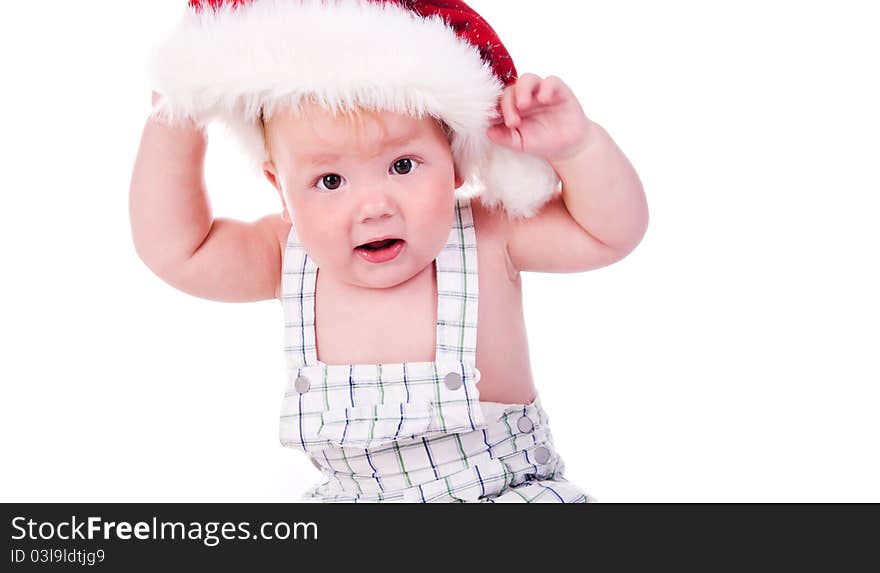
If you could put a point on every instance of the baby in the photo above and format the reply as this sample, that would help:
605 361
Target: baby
408 375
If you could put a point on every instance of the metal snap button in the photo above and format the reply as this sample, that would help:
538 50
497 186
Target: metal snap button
542 455
453 380
525 424
302 384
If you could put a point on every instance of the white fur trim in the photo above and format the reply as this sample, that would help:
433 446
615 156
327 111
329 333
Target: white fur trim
344 54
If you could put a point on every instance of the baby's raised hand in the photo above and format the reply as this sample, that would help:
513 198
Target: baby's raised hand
541 117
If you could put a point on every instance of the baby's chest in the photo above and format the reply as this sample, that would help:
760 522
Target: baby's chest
375 331
402 331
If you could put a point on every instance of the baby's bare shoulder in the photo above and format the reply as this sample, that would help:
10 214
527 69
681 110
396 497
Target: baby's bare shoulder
491 227
488 223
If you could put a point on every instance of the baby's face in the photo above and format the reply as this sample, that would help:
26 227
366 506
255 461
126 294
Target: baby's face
346 183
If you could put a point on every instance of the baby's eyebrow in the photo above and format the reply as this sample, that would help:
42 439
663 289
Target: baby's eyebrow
316 159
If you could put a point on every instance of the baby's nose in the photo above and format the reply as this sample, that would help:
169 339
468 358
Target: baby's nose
376 204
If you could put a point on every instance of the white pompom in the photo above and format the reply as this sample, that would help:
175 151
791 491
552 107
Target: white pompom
519 182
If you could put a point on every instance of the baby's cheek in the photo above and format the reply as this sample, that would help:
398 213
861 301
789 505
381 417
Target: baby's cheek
315 235
443 206
438 215
326 247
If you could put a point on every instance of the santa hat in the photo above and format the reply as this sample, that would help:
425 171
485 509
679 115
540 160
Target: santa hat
232 60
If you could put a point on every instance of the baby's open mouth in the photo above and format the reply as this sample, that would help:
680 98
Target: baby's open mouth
379 245
382 251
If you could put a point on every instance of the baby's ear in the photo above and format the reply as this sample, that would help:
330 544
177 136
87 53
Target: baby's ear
272 175
458 180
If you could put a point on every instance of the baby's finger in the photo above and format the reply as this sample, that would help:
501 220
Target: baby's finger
549 89
525 89
508 109
504 136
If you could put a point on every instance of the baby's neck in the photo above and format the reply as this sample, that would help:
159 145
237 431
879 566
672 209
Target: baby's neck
417 283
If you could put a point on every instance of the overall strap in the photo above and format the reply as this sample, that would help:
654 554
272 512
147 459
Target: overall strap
458 291
298 276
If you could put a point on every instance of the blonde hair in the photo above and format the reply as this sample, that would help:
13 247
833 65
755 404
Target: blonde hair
356 118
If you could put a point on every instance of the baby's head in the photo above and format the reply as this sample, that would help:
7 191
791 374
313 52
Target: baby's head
230 59
347 179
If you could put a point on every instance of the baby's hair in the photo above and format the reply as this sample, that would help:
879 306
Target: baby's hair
355 118
266 145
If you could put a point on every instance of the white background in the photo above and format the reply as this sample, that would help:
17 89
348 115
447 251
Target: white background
733 356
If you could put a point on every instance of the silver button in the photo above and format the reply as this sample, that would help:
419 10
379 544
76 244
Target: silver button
525 424
302 384
453 380
542 455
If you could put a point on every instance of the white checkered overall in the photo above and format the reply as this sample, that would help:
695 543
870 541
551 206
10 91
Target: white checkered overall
412 432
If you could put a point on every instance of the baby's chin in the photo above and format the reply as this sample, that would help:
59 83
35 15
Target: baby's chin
388 283
388 278
389 274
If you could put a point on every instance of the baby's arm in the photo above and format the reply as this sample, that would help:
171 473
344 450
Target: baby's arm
175 233
601 214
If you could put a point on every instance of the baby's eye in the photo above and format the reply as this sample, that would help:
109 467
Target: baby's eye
405 165
332 181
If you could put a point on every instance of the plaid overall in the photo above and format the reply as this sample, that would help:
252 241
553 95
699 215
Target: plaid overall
417 431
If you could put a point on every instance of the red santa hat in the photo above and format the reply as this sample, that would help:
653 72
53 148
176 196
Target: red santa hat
233 60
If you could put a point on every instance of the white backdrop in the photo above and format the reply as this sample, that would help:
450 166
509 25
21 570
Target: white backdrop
733 356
